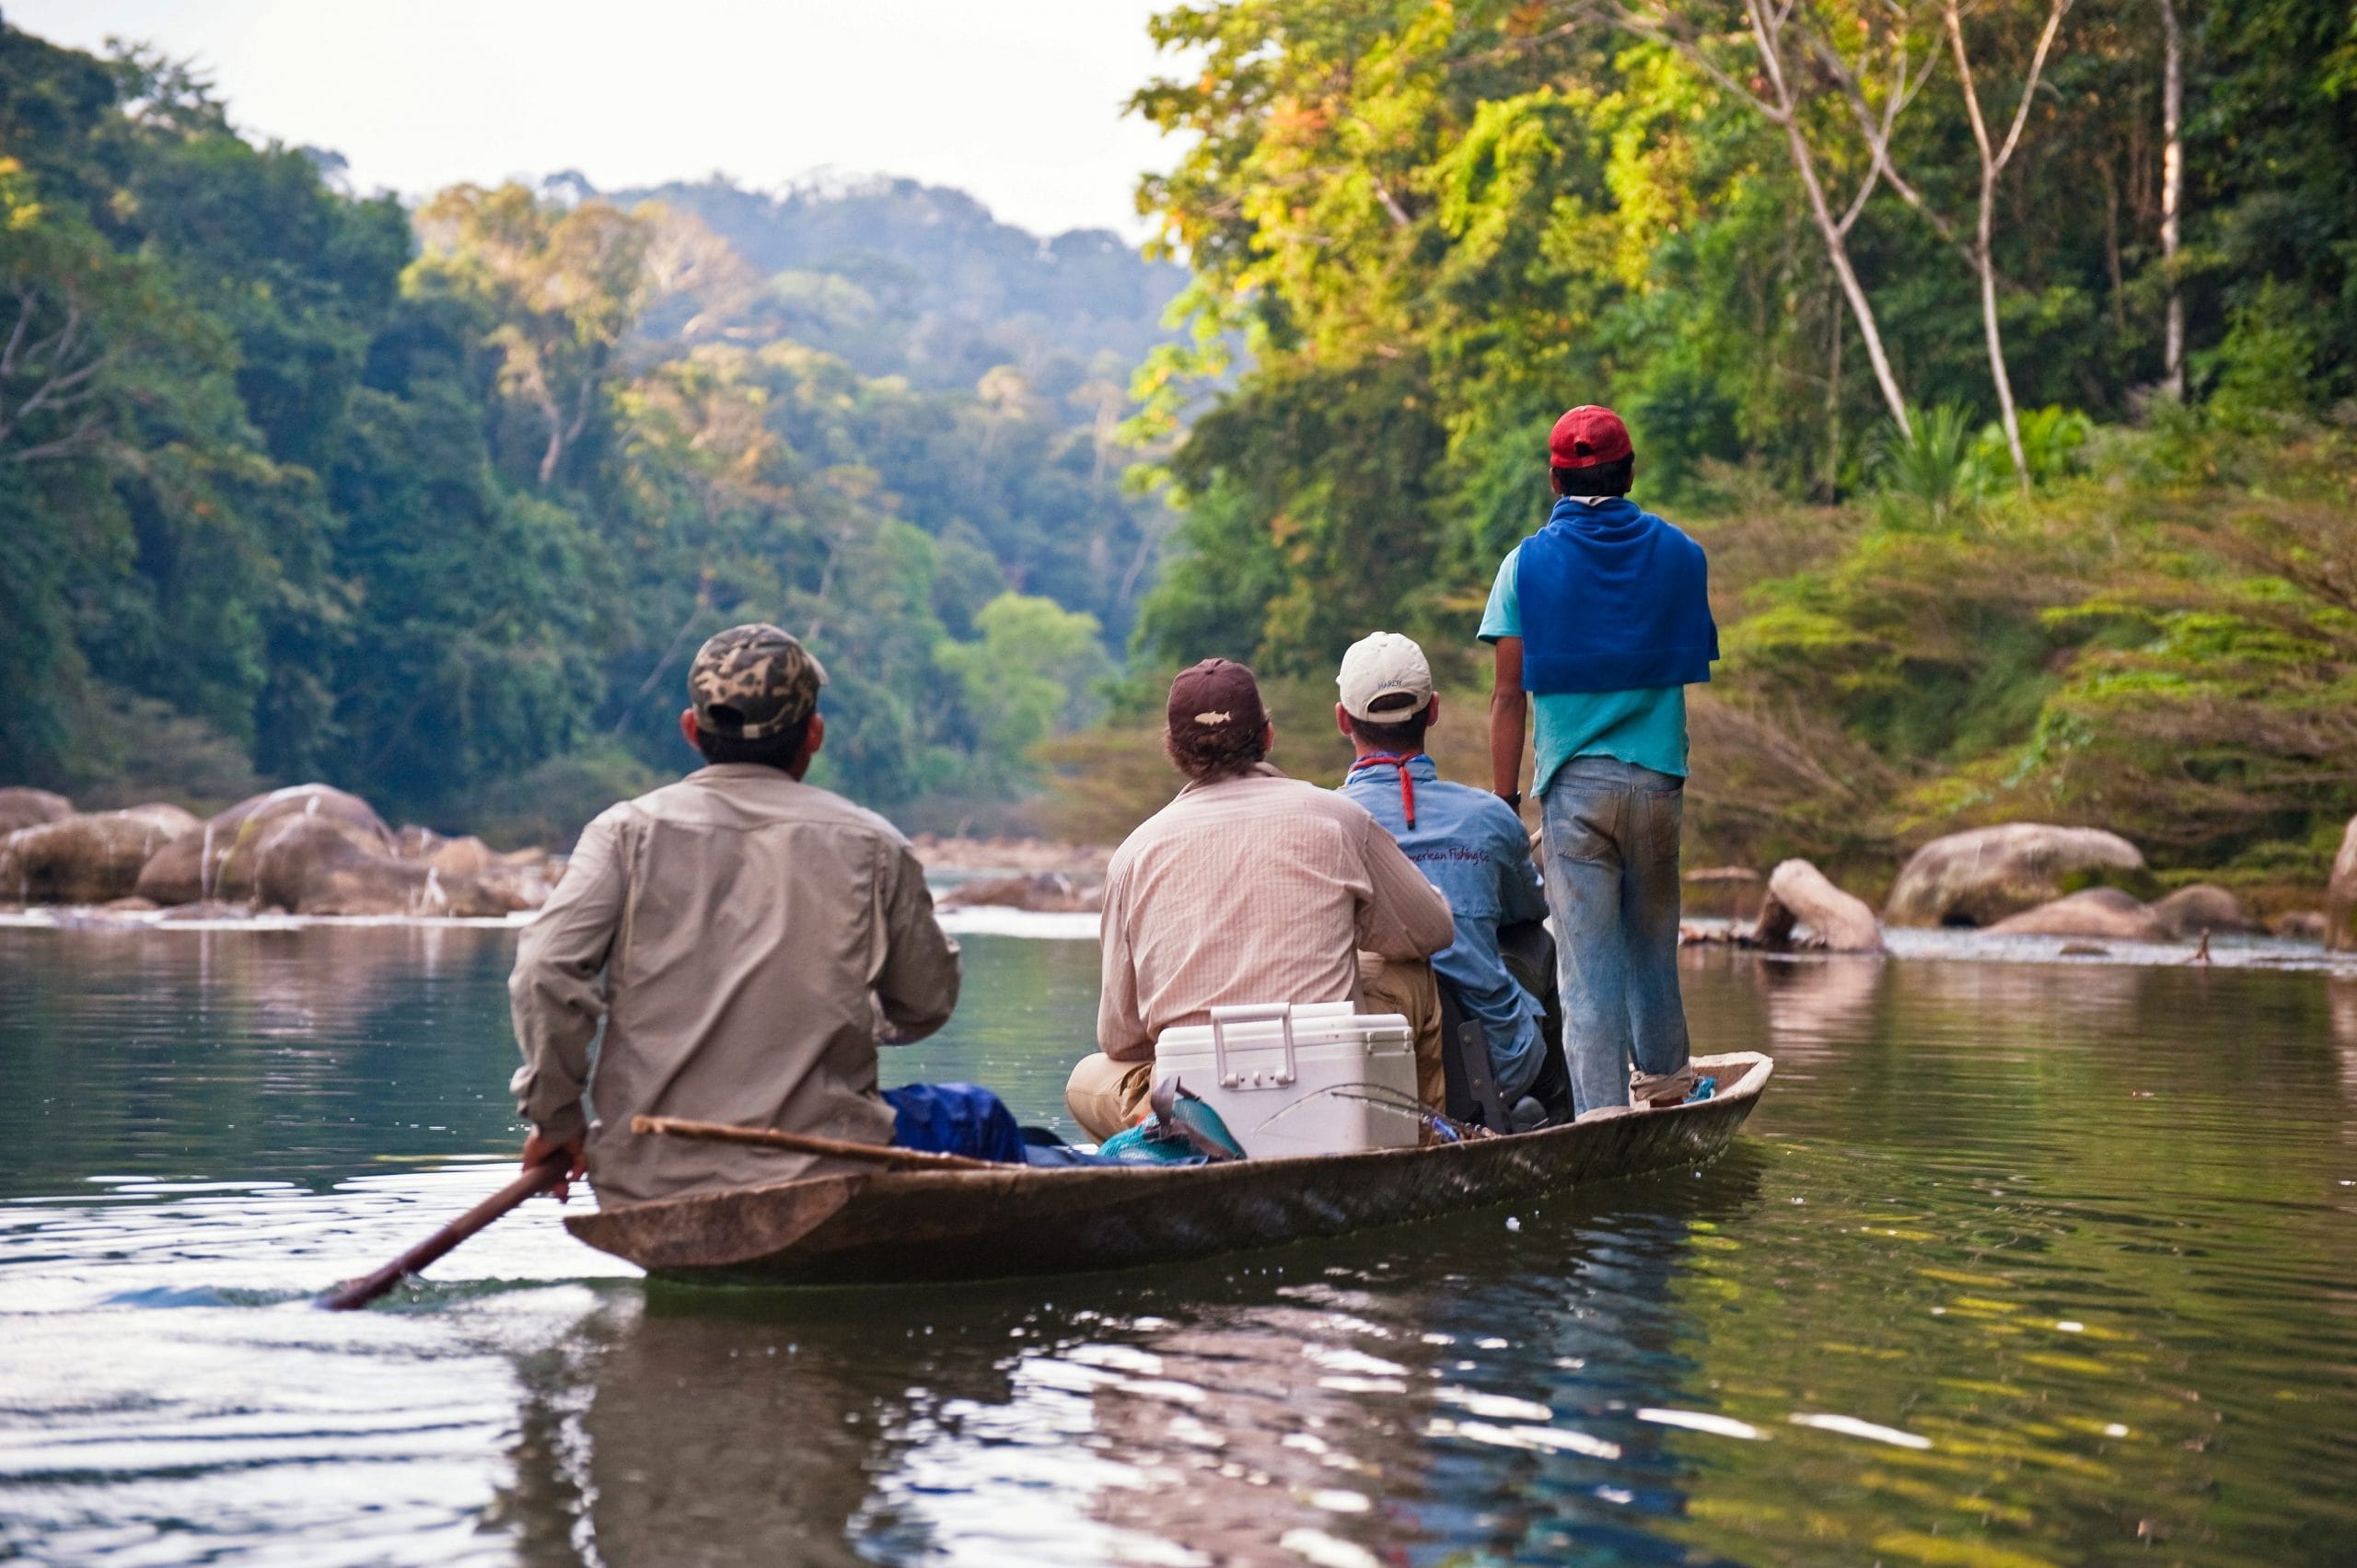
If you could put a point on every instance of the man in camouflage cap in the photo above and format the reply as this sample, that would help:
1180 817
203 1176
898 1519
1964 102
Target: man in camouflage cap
746 938
753 683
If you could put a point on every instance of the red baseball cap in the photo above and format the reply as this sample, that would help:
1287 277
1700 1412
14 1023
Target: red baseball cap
1587 435
1215 698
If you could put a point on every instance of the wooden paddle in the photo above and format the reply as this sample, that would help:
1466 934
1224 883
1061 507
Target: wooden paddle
810 1143
368 1287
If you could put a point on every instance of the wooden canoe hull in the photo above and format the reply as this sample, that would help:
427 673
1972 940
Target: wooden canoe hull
896 1226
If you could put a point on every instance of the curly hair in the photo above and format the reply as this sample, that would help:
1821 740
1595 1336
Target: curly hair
1211 755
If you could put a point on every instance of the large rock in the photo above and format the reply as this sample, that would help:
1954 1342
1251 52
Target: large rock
1799 894
2340 896
30 808
2202 909
88 858
466 855
1979 878
2097 911
221 863
317 865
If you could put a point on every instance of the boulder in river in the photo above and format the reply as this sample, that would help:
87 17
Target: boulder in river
1982 877
316 865
2340 896
1799 894
90 857
1050 892
30 808
2095 911
2297 925
2203 909
221 863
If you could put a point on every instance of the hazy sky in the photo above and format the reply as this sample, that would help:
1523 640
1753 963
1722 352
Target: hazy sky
1017 101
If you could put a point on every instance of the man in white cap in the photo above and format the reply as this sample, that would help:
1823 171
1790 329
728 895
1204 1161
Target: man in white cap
1467 841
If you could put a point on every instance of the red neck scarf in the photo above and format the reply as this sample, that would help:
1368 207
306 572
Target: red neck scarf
1406 781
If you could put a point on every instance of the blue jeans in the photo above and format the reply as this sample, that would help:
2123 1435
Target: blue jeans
1611 861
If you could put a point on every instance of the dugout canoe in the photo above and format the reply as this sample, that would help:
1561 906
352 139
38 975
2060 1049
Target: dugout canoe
898 1226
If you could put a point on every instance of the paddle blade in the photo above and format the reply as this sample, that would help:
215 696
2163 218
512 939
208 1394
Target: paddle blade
354 1294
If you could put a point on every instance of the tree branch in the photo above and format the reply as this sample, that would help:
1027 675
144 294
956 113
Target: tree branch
26 301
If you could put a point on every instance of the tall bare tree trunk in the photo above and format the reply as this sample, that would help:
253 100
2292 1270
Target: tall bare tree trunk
2172 193
1836 249
1780 106
1833 413
1992 164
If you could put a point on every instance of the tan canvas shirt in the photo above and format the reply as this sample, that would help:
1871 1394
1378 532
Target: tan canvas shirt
1258 889
739 933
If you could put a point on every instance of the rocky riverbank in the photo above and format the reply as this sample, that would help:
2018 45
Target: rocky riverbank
2018 879
304 850
312 850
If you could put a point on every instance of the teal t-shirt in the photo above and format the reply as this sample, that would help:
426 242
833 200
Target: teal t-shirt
1646 727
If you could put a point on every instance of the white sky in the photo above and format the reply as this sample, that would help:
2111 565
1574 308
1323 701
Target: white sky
1017 101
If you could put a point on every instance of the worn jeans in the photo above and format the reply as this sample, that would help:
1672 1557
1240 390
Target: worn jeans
1610 839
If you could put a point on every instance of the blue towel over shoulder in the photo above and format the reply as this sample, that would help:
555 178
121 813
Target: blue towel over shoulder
1613 599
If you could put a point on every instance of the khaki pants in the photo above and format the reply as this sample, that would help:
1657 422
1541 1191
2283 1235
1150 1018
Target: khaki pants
1105 1096
1407 986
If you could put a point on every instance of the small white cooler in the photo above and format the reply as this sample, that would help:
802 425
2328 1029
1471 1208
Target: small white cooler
1311 1078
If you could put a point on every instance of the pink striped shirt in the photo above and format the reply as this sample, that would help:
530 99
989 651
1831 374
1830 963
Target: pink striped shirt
1252 889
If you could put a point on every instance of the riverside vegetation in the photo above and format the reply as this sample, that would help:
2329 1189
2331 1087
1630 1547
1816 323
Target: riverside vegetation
2003 357
2029 496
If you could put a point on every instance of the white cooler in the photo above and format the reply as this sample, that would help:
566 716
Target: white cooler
1272 1071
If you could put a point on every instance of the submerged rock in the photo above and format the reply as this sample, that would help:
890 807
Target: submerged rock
222 862
1981 877
1799 894
2202 909
88 858
30 808
2297 925
213 910
523 877
2340 896
1050 892
2097 911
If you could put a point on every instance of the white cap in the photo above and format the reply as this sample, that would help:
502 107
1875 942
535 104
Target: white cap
1380 665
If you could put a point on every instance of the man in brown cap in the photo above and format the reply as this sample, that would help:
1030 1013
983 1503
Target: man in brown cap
745 939
1249 887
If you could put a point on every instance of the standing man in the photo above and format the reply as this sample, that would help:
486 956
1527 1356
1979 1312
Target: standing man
1603 616
746 938
1467 841
1249 887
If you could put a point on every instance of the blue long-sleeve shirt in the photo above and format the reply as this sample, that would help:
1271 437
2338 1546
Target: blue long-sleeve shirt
1471 846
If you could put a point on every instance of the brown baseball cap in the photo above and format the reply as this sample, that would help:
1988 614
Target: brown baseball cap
750 682
1216 697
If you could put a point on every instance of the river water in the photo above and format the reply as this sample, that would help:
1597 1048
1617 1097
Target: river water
2016 1263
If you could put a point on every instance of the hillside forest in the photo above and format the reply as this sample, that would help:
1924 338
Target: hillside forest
2004 355
436 503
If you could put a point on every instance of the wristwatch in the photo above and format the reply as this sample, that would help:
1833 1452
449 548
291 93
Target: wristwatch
1512 798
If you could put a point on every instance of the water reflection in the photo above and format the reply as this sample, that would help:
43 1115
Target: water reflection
2018 1263
1457 1383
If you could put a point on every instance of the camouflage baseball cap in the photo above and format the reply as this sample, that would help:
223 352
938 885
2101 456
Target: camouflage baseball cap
750 682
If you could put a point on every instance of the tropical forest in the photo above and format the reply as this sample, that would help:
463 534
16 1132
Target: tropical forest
2003 356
